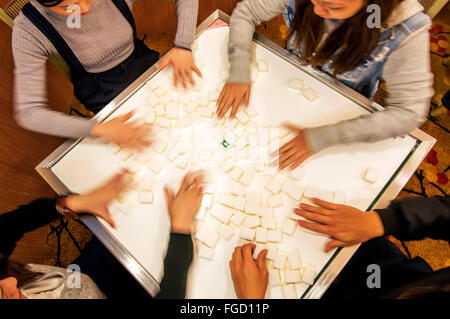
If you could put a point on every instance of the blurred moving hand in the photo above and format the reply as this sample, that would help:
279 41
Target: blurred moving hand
296 151
124 133
96 202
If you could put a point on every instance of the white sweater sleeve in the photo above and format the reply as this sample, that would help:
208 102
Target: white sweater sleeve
247 15
31 109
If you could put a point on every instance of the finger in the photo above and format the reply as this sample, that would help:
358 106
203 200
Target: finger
161 65
226 104
247 252
168 194
317 218
237 256
301 160
333 244
107 217
190 77
247 98
286 147
290 161
186 182
126 117
313 209
288 154
234 110
291 127
324 204
221 97
183 78
175 78
261 261
196 70
323 229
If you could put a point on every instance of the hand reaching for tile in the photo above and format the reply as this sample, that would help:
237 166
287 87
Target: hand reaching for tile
185 204
250 277
233 96
346 225
296 151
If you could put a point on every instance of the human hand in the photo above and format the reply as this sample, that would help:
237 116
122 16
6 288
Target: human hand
232 96
123 133
96 202
182 62
296 151
250 277
185 204
346 225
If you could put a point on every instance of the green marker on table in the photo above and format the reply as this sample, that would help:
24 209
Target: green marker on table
225 144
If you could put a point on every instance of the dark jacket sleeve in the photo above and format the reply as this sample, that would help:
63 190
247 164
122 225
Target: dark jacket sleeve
14 224
176 266
414 218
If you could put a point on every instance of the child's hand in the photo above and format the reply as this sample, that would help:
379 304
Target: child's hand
250 277
96 202
232 96
182 62
295 152
184 206
123 133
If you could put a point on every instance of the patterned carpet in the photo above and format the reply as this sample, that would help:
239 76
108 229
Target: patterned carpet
67 237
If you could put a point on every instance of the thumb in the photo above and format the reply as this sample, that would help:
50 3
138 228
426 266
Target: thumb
168 195
126 117
291 127
261 261
161 65
333 244
107 217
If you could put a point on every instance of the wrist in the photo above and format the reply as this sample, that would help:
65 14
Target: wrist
180 229
97 130
375 225
75 203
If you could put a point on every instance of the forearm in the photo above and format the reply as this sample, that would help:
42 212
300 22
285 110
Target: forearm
26 218
187 12
247 15
414 218
176 266
31 109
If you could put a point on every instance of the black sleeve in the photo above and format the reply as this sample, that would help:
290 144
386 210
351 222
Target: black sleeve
14 224
176 266
414 218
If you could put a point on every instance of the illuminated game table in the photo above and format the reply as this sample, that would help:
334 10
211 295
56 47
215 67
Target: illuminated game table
140 241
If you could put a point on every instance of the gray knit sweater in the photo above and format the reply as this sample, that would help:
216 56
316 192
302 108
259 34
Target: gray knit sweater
104 40
407 74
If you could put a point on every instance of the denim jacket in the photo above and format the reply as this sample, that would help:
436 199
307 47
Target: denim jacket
366 77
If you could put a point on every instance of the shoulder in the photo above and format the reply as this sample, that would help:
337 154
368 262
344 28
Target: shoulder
26 36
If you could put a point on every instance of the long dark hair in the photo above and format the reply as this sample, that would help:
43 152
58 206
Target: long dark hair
349 45
22 273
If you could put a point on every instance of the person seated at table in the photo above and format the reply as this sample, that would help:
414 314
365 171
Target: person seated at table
411 218
104 56
32 281
342 38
